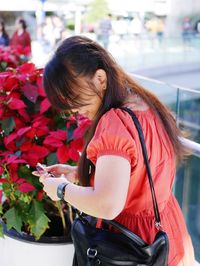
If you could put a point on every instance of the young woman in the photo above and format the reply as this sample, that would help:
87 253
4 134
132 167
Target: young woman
82 77
21 37
4 38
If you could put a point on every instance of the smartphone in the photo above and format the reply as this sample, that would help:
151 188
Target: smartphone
40 168
42 171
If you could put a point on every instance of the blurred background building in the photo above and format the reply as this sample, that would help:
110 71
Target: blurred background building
149 33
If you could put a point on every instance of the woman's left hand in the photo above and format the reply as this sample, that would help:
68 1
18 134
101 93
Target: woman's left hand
51 184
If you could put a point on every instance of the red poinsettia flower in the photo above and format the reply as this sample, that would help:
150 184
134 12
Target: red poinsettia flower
18 121
55 138
10 83
27 68
53 142
31 132
13 170
63 154
31 92
24 114
26 146
77 144
1 170
84 124
40 195
39 84
74 154
9 142
16 104
44 106
35 154
26 187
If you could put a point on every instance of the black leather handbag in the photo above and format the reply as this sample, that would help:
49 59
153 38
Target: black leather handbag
100 246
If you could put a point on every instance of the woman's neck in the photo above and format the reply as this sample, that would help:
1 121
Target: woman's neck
20 31
135 102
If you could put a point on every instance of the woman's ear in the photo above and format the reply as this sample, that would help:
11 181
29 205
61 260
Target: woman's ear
100 80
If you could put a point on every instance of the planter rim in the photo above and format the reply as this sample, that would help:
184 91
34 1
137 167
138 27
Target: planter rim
24 237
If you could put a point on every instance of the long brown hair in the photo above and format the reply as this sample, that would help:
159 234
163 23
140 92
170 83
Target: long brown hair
3 28
78 57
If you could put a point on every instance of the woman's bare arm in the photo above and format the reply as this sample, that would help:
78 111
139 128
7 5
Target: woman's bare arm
108 196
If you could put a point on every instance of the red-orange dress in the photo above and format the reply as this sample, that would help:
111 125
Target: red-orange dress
23 40
117 135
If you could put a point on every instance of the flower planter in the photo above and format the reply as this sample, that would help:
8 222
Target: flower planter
22 250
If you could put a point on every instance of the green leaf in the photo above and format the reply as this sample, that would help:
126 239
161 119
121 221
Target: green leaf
7 190
1 209
23 208
71 162
8 125
24 171
13 219
4 65
1 230
70 132
38 221
52 158
25 198
98 9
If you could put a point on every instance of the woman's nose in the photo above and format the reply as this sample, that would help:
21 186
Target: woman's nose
74 111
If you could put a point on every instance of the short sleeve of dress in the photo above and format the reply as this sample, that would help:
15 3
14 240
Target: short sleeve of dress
112 138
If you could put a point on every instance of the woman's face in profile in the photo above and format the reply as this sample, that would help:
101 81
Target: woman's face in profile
92 95
92 104
18 25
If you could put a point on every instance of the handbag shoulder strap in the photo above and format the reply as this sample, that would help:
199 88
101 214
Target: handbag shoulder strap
117 225
146 161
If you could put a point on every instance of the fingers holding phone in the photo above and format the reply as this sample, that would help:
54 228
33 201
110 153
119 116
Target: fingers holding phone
56 170
70 172
41 172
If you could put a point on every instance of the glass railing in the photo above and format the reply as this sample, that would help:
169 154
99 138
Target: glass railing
185 104
144 53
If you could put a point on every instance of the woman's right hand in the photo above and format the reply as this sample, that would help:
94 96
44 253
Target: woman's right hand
70 172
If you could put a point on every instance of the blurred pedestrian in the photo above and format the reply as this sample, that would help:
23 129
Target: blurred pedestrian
103 31
187 31
4 38
151 27
197 27
155 27
49 37
120 28
160 31
58 29
21 37
135 28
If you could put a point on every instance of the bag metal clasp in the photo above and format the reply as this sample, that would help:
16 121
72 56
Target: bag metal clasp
91 253
158 226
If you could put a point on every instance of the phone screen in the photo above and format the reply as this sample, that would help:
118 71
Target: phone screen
41 170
